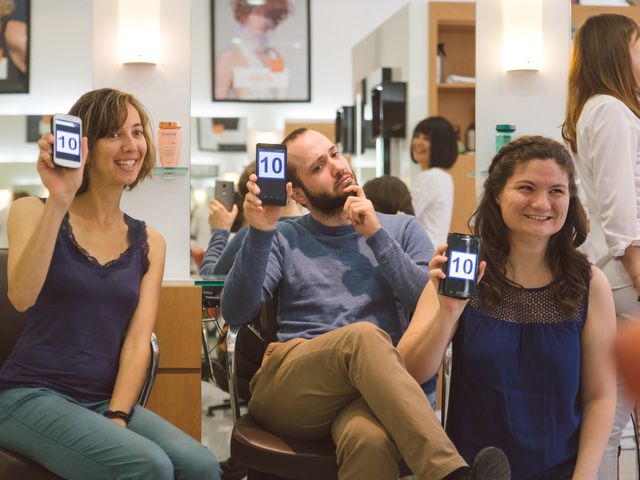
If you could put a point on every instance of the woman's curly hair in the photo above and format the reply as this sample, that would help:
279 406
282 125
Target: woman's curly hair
570 268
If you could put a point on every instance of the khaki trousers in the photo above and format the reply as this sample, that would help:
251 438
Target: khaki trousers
352 383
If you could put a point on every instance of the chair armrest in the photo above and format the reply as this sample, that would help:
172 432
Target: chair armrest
150 378
232 377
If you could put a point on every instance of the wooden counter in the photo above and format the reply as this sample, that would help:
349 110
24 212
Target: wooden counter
176 393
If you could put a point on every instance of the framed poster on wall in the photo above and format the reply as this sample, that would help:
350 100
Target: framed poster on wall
261 50
14 46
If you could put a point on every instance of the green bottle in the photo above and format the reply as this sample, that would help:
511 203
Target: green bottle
504 134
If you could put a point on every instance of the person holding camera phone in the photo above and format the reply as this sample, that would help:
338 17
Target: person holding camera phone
222 248
532 365
88 277
347 279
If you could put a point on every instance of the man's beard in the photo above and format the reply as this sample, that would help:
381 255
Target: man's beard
327 203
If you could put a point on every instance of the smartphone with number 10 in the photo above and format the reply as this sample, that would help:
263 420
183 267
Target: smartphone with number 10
463 254
271 170
67 132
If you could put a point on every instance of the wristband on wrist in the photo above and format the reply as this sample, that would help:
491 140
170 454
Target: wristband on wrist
126 417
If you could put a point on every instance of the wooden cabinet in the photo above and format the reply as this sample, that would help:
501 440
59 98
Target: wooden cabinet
453 24
579 13
176 394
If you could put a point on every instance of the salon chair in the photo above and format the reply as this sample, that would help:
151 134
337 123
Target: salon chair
266 455
13 465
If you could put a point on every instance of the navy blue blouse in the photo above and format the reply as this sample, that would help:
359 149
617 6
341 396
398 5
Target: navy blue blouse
72 335
515 382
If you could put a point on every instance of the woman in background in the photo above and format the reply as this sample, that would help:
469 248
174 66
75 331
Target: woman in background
532 369
602 128
88 277
434 147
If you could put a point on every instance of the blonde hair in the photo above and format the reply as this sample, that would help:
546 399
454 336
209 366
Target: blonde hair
600 64
103 112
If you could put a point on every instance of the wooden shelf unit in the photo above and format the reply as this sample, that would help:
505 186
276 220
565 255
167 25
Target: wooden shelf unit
176 393
453 24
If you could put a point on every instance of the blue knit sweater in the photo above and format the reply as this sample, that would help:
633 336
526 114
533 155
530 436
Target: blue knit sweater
328 277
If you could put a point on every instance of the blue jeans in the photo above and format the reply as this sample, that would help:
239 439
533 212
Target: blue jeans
74 440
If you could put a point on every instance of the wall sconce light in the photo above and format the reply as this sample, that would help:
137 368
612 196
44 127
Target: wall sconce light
521 35
139 31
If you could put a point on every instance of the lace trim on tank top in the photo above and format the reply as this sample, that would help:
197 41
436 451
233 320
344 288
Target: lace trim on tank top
530 305
137 235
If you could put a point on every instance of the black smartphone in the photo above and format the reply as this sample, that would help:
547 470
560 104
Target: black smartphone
67 132
271 170
463 258
224 193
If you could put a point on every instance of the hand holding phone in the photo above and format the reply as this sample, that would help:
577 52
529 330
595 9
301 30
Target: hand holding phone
271 170
462 266
67 135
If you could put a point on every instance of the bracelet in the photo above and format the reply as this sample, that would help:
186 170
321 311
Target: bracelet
118 414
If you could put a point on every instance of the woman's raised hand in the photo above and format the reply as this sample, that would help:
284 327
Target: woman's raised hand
62 182
451 305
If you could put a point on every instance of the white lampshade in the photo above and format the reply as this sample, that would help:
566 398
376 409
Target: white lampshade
521 34
140 31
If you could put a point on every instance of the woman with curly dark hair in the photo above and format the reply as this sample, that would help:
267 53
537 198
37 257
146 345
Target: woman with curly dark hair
532 371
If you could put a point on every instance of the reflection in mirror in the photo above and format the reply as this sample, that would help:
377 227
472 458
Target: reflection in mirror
18 154
368 163
16 141
222 134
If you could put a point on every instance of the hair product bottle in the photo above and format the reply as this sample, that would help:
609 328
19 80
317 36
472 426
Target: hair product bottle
169 142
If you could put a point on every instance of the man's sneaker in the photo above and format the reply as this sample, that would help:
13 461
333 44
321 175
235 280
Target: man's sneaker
490 464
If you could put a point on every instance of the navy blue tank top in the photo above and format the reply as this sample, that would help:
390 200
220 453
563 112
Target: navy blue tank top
72 335
515 382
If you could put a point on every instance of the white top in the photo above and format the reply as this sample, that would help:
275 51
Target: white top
432 196
608 166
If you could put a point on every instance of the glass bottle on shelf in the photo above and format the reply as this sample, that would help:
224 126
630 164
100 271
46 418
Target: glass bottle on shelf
470 140
504 134
440 55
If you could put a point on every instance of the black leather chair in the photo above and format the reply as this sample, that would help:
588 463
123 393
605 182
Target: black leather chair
13 465
269 456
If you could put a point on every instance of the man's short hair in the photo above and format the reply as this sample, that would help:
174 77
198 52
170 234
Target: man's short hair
291 172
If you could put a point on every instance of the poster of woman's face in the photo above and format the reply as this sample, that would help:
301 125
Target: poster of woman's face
14 46
260 50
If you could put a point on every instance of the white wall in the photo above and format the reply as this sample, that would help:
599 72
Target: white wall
533 101
165 90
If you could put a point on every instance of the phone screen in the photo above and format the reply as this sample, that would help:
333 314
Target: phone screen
66 151
462 266
271 170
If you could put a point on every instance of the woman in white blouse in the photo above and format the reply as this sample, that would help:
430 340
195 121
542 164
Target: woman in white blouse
434 147
602 127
